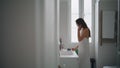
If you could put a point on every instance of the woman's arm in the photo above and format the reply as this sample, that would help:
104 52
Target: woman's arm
75 48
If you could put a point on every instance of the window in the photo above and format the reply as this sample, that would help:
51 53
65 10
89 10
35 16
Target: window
75 14
88 14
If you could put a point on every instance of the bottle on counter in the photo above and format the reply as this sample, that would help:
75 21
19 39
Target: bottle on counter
61 44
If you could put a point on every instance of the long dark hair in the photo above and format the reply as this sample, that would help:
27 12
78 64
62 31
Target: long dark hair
80 21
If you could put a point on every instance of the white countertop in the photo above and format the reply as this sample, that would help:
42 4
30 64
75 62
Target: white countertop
68 54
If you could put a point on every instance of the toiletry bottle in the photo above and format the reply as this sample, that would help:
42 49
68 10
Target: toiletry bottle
61 44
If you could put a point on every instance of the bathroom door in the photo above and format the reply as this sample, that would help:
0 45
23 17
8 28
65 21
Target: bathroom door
118 37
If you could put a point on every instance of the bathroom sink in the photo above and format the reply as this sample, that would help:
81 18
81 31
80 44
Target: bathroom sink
68 59
65 52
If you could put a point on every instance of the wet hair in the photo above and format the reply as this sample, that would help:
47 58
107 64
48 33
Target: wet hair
80 21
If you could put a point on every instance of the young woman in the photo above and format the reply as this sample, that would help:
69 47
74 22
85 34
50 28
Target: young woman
83 34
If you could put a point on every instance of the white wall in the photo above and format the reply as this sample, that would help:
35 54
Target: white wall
39 29
50 35
21 25
64 22
105 53
29 34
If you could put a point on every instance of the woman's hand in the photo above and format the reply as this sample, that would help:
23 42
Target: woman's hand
73 49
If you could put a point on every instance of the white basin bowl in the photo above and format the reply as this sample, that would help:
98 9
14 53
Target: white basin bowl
68 59
65 52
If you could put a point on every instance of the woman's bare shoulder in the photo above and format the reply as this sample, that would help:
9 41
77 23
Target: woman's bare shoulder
86 30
